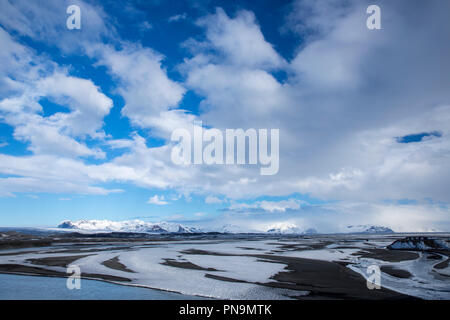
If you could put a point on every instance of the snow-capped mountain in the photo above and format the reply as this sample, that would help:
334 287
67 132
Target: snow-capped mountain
140 226
284 230
368 229
169 227
126 226
289 228
310 231
231 228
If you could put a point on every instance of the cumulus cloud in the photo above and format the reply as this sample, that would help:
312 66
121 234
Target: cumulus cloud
84 98
21 107
150 95
340 107
231 68
158 200
239 39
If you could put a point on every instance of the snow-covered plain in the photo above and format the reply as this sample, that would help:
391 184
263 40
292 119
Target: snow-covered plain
425 282
230 269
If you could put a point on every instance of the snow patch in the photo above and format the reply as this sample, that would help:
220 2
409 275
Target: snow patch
419 243
368 229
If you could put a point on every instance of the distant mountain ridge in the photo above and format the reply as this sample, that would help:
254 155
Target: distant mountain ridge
139 226
288 228
127 226
368 229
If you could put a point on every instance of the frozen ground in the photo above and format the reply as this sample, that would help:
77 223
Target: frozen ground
243 268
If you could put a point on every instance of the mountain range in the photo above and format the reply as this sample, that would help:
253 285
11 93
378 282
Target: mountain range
368 229
139 226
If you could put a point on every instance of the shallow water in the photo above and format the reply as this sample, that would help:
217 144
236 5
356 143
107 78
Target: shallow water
18 287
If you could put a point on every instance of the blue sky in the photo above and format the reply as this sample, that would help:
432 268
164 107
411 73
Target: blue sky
86 115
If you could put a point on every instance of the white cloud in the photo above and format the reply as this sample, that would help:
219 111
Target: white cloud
176 217
213 200
19 65
45 21
269 206
143 83
340 108
280 206
52 174
240 40
30 82
312 19
158 200
230 90
177 17
88 105
145 26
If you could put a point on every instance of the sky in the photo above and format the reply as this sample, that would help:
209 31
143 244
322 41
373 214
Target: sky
86 115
